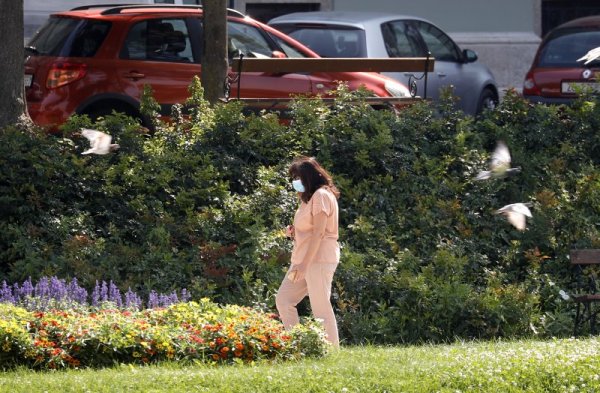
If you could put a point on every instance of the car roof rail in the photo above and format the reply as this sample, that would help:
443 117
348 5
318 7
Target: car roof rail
112 9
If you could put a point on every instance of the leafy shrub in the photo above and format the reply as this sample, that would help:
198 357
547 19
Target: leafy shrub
200 203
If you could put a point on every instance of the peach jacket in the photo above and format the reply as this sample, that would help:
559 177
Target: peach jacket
305 225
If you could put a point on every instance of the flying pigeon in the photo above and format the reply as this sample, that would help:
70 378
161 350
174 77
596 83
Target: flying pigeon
99 142
592 55
515 213
499 165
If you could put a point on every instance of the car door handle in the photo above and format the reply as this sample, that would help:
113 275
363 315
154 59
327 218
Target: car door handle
134 75
441 74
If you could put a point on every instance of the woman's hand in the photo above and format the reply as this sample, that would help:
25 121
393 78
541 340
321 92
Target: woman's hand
290 232
297 273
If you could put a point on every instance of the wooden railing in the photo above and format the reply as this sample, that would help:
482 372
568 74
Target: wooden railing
311 65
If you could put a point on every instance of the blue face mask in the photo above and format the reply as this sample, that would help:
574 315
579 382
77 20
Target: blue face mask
298 186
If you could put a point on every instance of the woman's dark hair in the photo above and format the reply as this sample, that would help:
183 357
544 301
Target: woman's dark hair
313 177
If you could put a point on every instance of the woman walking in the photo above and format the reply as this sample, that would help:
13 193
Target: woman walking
316 252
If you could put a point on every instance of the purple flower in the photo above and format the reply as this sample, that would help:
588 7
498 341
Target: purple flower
6 294
57 289
76 293
114 295
132 300
153 300
96 295
27 289
63 294
104 292
185 296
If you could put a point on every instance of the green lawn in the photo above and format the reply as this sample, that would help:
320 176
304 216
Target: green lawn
571 365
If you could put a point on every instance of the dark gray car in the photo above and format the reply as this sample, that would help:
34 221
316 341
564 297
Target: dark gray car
379 35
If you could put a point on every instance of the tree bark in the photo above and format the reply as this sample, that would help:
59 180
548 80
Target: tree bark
13 109
214 58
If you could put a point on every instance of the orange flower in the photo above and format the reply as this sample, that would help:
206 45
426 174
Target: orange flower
239 346
237 354
215 357
224 349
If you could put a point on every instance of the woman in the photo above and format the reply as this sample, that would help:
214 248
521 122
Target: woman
316 252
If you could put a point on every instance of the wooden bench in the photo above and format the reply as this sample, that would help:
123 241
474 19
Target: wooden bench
581 259
310 65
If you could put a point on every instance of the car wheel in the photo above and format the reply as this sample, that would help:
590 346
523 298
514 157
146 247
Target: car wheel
488 100
102 110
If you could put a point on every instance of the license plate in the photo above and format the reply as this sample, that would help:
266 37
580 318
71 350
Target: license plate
27 80
575 87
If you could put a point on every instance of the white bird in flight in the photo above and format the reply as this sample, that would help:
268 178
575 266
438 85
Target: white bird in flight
516 214
592 55
100 142
499 165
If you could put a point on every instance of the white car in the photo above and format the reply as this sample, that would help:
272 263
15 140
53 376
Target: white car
379 35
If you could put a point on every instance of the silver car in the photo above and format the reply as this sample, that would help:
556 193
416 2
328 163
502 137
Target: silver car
379 35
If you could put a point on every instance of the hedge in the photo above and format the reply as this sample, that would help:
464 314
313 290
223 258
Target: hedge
201 202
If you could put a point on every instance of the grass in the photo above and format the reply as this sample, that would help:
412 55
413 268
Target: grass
570 365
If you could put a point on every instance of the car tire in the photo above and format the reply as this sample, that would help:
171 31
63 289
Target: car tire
101 110
488 100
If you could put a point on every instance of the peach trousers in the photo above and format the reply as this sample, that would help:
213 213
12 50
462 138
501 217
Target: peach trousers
317 285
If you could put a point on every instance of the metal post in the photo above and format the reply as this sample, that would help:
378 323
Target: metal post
240 76
426 74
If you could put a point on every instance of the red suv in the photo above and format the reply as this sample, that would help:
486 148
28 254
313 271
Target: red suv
559 71
95 59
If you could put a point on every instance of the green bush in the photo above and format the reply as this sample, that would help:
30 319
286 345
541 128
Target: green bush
201 203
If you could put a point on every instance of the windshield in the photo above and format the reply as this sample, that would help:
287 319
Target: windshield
564 47
329 41
69 37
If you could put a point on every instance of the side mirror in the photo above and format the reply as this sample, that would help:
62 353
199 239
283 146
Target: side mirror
469 56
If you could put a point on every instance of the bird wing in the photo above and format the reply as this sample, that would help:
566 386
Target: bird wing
99 141
91 135
521 208
483 175
500 160
516 219
592 55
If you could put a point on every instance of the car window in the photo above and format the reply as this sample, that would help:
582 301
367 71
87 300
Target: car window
564 47
288 49
248 40
70 37
401 39
439 43
329 41
158 40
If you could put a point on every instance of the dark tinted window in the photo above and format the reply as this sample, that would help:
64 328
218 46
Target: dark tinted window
158 40
564 47
329 41
287 48
70 37
401 39
439 44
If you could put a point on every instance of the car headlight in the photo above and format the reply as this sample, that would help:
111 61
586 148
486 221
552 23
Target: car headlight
396 89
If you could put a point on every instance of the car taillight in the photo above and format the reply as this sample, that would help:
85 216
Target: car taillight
529 86
61 74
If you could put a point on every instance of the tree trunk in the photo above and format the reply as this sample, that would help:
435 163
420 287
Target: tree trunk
214 58
13 109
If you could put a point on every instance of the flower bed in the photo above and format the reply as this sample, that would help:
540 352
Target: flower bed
53 292
190 331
